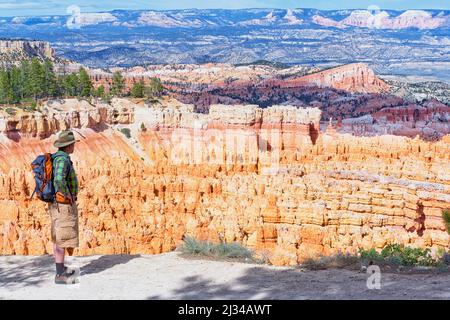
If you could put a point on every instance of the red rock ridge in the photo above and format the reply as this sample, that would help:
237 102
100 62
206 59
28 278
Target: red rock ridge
354 77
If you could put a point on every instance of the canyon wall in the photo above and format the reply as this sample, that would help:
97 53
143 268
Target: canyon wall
353 77
12 52
57 115
429 121
265 178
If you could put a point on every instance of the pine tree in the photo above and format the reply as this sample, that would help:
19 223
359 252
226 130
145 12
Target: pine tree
60 89
154 88
107 98
36 79
99 92
118 84
71 85
6 89
85 83
137 91
49 84
24 80
15 83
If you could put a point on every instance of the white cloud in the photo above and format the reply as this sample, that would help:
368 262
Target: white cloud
20 5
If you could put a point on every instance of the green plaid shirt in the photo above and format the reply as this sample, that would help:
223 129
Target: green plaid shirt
64 176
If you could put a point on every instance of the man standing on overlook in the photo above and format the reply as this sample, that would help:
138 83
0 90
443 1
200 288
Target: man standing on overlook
63 212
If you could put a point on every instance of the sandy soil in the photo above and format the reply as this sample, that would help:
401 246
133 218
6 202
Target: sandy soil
170 276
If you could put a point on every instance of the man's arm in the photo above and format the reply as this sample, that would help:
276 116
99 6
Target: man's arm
59 177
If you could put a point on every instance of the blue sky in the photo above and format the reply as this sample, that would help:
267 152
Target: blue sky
35 7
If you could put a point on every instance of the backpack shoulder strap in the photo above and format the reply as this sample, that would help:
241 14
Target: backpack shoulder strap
55 156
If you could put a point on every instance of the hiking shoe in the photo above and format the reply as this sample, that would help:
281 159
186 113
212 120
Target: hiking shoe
65 278
69 271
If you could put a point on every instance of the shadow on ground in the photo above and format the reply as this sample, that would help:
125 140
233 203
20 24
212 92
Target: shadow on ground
106 262
26 273
261 283
227 281
15 273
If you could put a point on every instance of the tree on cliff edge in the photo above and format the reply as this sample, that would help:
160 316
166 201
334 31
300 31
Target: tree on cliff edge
23 82
50 86
6 90
15 83
85 83
137 91
99 92
154 88
36 80
71 84
118 84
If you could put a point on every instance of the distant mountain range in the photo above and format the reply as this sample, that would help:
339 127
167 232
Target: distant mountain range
412 42
386 19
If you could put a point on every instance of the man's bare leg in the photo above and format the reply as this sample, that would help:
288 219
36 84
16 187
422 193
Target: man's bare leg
59 253
59 258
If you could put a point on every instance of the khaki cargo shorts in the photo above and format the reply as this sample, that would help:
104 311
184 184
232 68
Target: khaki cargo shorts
64 224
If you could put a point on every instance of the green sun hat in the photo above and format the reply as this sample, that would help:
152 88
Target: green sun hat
64 139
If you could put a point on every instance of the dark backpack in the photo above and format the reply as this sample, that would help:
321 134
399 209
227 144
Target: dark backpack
42 168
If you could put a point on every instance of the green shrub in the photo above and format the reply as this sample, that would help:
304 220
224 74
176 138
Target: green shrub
31 108
26 100
220 250
391 250
446 217
11 111
126 132
369 254
339 260
232 250
193 246
152 101
401 255
107 98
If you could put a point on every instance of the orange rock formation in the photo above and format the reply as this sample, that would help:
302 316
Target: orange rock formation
265 178
354 77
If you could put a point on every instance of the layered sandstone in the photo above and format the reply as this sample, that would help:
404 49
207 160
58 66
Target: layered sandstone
12 52
57 115
430 121
264 178
209 75
354 77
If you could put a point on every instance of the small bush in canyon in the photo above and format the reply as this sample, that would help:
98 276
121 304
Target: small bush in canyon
126 132
220 250
196 247
11 111
393 254
446 217
337 261
404 256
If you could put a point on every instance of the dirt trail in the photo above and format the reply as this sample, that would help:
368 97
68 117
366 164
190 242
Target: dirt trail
169 276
